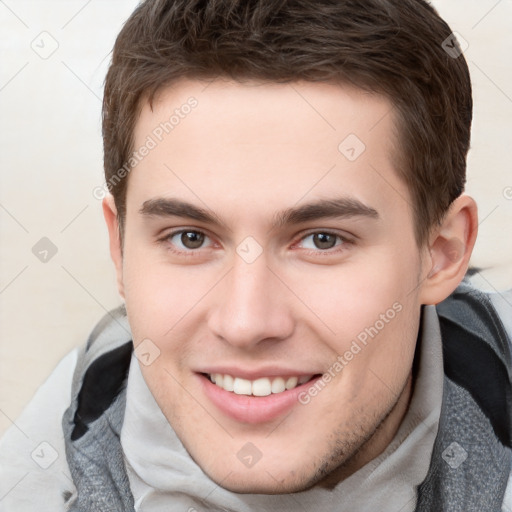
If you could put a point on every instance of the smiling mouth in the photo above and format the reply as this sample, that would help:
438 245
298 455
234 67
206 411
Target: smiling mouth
263 386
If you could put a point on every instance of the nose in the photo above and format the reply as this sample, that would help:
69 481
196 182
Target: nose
251 306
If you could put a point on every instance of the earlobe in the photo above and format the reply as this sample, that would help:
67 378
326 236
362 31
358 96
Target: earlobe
450 248
111 219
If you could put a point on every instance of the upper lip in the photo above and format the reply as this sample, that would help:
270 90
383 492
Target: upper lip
253 374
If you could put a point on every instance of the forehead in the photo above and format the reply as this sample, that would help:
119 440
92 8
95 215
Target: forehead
266 145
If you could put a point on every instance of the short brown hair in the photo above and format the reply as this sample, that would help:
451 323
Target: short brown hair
396 48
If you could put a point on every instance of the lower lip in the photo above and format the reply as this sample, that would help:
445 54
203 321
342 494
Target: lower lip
253 409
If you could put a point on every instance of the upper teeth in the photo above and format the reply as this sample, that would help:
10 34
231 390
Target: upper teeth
259 387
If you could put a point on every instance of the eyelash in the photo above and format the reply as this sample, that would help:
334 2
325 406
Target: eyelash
166 241
344 242
338 247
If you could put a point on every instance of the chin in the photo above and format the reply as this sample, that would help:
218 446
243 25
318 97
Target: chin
265 479
261 484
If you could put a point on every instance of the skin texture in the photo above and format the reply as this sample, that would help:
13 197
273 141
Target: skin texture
245 153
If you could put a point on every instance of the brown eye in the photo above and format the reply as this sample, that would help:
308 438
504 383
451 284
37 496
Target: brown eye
324 240
192 239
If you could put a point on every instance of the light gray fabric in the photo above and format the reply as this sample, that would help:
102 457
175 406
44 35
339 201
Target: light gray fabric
33 469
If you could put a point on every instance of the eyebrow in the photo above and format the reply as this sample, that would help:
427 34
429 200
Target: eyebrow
344 207
167 207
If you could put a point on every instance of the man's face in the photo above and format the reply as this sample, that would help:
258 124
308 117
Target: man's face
269 240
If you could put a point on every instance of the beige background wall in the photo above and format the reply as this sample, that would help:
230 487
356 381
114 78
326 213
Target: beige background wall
50 149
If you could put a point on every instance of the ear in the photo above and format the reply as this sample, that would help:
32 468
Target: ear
116 253
449 249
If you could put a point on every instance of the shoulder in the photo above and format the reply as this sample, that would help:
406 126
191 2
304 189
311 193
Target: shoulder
33 467
502 302
480 327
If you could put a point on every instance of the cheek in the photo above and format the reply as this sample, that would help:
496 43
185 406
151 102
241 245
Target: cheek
369 312
353 296
157 295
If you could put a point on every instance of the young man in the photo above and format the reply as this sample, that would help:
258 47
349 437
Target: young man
286 209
